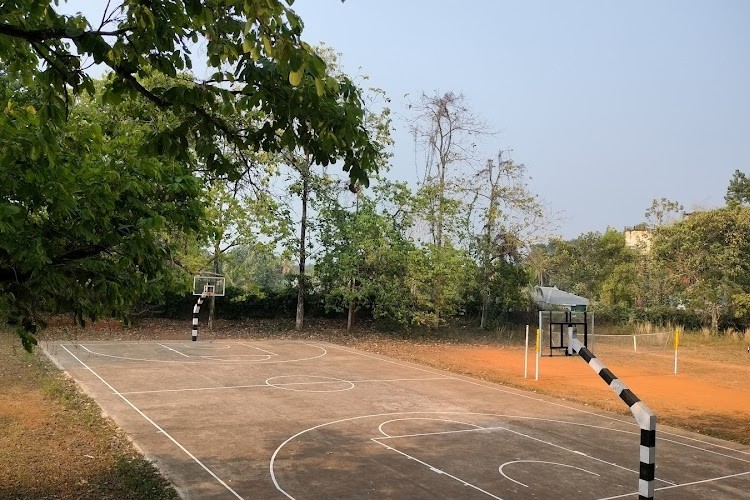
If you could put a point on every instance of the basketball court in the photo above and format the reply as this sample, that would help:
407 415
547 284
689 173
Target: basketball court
313 420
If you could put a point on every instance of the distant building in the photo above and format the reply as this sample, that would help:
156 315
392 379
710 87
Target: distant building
551 297
639 238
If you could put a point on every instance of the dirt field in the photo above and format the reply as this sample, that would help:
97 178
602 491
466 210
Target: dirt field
54 444
705 396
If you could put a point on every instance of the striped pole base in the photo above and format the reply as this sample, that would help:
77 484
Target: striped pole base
196 310
643 415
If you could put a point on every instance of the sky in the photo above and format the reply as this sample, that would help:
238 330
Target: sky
608 104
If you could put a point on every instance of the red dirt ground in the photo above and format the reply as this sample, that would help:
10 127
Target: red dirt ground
705 396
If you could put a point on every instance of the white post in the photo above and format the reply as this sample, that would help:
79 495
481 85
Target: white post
526 354
635 346
676 347
538 350
592 333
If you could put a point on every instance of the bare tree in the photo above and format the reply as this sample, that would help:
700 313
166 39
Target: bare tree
663 211
504 214
446 130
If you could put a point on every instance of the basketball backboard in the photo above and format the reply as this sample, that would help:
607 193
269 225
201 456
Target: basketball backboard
208 285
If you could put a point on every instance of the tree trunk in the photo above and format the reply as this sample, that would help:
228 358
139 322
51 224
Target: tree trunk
351 317
353 282
299 322
485 311
714 318
217 270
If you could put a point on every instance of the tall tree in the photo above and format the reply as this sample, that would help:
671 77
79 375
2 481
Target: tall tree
83 215
239 213
311 183
738 191
502 213
706 257
446 130
364 251
261 67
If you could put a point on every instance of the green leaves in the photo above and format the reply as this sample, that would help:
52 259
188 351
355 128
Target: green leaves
705 259
83 231
254 43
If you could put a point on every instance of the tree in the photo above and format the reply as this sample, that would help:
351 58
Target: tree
502 213
706 257
364 253
254 46
538 261
738 191
311 184
449 270
84 216
446 129
238 213
584 264
262 68
662 212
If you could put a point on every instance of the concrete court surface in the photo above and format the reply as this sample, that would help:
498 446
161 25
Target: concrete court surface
312 420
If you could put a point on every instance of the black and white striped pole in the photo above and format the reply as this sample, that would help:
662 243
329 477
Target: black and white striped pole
196 310
643 415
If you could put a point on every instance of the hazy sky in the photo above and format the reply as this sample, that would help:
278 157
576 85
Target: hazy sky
609 104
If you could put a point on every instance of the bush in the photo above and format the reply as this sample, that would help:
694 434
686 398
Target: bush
237 304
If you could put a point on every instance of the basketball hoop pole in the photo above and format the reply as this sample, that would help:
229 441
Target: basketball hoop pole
196 311
205 286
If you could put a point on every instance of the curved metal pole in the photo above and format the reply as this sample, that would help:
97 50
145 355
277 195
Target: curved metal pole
196 310
643 415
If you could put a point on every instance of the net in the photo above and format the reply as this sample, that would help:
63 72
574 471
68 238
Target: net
633 344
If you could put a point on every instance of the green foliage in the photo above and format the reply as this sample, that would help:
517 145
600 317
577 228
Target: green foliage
98 191
255 269
439 280
254 46
363 256
583 265
82 213
501 213
738 191
706 259
620 287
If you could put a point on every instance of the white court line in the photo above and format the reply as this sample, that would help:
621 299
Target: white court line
532 398
380 427
203 360
257 348
464 413
174 350
502 428
693 483
250 386
165 433
439 471
538 462
195 389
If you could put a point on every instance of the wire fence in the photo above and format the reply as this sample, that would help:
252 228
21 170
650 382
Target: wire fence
637 343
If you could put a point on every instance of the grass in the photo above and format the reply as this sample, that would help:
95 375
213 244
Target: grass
54 442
